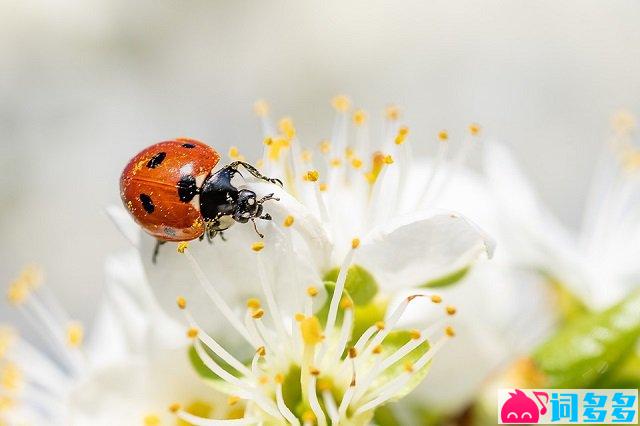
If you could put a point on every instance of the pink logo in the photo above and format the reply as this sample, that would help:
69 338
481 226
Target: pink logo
519 408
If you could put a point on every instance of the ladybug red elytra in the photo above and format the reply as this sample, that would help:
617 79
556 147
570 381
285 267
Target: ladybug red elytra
170 189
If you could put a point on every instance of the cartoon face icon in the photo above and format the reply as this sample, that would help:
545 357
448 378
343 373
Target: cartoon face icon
519 408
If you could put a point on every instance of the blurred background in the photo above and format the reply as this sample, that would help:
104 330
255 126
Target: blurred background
86 84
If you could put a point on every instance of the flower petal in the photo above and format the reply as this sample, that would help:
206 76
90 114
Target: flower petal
422 250
125 224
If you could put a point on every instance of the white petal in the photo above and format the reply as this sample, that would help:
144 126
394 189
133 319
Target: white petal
409 252
125 223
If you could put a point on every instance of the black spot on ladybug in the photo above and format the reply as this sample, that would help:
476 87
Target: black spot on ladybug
188 145
187 188
147 203
156 160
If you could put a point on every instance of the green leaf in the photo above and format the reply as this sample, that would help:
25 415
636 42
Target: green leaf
570 306
392 343
360 284
590 348
447 280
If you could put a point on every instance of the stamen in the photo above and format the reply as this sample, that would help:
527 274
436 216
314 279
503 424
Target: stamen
282 406
75 334
443 148
288 221
339 288
151 420
359 117
253 303
265 283
182 247
392 112
312 291
261 108
311 331
341 103
257 246
330 404
314 403
451 310
325 147
436 299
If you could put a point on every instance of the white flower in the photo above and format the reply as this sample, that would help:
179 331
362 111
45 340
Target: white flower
599 265
133 366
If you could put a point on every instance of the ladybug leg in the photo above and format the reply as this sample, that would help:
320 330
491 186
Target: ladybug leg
255 172
256 228
156 250
221 233
267 197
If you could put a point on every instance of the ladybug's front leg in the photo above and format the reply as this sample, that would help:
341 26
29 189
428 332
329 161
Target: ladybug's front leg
255 172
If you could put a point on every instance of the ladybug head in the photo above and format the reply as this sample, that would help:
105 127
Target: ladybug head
247 206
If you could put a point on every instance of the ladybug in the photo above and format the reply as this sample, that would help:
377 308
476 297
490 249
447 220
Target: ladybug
171 191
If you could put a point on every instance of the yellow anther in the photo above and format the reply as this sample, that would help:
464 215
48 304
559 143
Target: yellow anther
6 403
353 352
263 380
312 291
288 221
18 292
299 316
257 246
261 108
32 276
355 243
279 378
388 159
234 154
286 127
323 187
449 331
349 152
325 147
346 303
314 371
451 310
408 367
415 334
402 135
443 135
275 147
336 162
436 299
10 376
474 129
377 350
181 302
151 420
174 408
356 163
359 117
341 103
253 303
182 247
308 417
311 176
75 334
233 400
261 351
192 333
392 112
268 141
324 384
306 156
311 330
257 314
380 325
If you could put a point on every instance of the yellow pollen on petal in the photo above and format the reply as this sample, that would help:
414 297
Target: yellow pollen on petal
336 162
311 176
380 325
356 163
392 112
10 376
286 127
311 330
443 135
263 380
314 371
415 334
299 316
323 187
451 310
75 334
359 117
325 147
306 156
261 108
312 291
182 247
259 313
474 129
151 420
257 246
436 299
253 303
355 243
181 302
377 350
233 400
341 103
449 331
192 333
174 408
261 351
408 367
